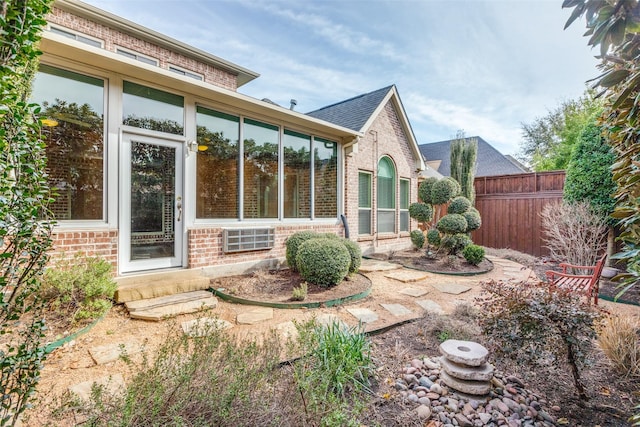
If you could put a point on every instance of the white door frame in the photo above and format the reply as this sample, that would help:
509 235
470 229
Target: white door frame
125 261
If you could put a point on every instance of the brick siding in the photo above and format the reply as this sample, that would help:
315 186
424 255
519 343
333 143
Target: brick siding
103 244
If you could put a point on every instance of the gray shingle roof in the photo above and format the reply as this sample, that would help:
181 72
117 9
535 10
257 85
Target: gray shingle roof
490 162
354 112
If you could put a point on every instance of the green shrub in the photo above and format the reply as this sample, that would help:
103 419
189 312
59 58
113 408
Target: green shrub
433 237
425 188
459 205
355 253
323 262
329 235
473 219
82 287
454 243
452 224
474 254
417 238
421 212
300 294
293 243
443 190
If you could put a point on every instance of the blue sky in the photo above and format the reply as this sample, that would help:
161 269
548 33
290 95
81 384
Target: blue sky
482 66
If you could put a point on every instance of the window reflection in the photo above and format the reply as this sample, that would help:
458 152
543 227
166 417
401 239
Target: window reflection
260 170
297 175
325 178
153 109
72 111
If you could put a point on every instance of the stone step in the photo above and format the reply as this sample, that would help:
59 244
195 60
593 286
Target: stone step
163 312
158 285
153 303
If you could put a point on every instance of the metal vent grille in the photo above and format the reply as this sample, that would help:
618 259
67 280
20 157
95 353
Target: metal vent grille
248 239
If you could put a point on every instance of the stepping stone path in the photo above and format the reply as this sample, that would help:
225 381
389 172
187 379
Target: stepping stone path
407 276
430 306
111 352
412 292
451 288
465 368
396 309
255 315
112 384
372 265
364 315
330 319
197 328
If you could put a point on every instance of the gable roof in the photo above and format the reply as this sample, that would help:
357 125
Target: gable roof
490 162
359 112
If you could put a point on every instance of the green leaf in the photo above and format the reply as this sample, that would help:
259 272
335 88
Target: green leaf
577 12
613 78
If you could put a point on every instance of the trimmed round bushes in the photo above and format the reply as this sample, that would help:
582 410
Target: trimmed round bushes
355 253
433 237
473 219
455 243
421 212
459 205
417 238
323 262
474 254
443 190
293 243
424 190
452 224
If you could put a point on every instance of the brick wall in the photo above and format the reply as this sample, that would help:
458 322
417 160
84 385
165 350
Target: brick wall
205 245
113 38
103 244
385 137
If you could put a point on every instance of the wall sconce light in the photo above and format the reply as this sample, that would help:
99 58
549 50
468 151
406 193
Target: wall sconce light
192 146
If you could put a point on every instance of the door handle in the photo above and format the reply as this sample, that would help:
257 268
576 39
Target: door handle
179 207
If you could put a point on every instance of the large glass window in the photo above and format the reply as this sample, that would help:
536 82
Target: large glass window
297 175
153 109
217 164
364 203
260 170
72 114
325 178
404 204
386 193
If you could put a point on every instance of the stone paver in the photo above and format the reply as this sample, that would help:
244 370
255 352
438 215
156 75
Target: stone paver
451 288
108 353
330 319
396 309
163 312
255 315
201 327
430 306
407 276
151 303
372 265
112 384
364 315
287 330
413 292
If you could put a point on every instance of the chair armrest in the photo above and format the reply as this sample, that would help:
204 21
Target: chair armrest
551 275
566 265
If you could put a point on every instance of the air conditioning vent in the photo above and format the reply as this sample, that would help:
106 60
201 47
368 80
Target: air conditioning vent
248 239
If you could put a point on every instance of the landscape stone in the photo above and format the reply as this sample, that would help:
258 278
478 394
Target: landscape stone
373 265
423 412
396 309
165 311
255 315
330 319
406 276
364 315
483 372
430 306
151 303
412 292
464 352
203 326
451 288
112 384
108 353
476 388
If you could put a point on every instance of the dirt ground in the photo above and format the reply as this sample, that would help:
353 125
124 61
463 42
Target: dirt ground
612 396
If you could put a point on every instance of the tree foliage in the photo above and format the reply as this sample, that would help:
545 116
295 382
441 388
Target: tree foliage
464 152
24 195
548 141
614 27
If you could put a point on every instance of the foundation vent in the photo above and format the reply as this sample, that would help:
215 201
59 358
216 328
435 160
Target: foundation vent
247 239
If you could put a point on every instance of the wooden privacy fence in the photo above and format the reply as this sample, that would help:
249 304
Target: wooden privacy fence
510 207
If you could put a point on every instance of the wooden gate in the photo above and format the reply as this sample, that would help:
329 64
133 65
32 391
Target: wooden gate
510 207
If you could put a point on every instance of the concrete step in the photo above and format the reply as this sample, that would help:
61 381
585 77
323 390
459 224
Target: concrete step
162 312
153 303
145 286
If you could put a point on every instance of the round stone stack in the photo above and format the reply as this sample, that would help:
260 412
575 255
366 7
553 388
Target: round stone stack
465 367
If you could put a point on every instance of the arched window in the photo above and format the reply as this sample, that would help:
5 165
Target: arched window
386 200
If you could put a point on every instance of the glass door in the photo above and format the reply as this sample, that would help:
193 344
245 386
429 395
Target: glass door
151 204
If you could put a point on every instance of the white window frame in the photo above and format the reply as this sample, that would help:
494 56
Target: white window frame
184 72
370 208
75 35
402 210
145 59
